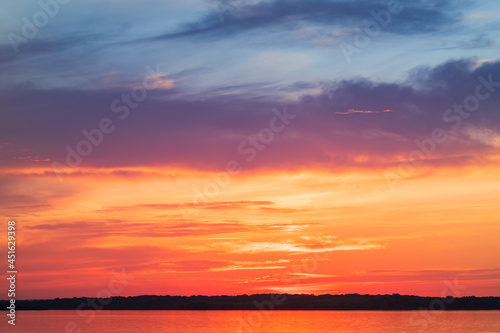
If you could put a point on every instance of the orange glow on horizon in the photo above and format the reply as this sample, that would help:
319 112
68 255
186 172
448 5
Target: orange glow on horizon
297 232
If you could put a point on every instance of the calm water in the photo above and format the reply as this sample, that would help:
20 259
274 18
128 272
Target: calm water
254 321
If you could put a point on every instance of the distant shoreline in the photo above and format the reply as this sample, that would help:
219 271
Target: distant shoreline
337 310
349 302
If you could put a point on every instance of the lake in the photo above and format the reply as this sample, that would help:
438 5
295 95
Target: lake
255 321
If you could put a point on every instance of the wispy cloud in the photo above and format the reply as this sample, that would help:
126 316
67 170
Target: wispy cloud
350 111
291 247
419 17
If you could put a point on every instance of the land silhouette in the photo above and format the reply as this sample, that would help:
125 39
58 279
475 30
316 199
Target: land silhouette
262 302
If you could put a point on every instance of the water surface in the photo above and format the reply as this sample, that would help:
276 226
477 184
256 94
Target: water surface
255 321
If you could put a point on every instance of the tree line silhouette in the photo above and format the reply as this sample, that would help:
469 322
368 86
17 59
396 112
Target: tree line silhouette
262 302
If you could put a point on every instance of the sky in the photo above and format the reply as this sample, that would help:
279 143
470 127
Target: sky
208 147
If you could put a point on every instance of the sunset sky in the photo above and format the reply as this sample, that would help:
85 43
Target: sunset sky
236 147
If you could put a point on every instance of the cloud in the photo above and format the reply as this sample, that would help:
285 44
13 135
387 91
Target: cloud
391 281
195 265
205 134
290 247
88 258
112 228
361 111
216 205
23 196
92 229
416 18
36 48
